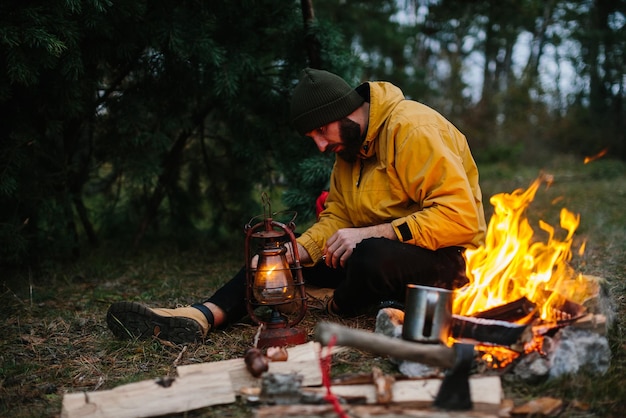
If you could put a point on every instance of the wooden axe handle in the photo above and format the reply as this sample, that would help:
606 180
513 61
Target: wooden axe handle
437 355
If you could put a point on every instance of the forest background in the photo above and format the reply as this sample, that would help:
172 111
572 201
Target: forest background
139 121
138 136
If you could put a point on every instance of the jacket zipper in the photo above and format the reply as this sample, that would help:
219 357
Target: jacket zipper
358 181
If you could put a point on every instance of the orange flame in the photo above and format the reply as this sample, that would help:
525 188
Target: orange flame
511 264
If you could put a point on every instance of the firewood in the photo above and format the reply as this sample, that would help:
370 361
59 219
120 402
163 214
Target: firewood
486 392
196 386
352 379
302 359
383 384
593 323
150 398
356 411
545 407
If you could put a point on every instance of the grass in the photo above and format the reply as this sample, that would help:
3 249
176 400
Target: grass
54 340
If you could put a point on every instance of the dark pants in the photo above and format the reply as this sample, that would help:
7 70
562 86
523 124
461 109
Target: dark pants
378 270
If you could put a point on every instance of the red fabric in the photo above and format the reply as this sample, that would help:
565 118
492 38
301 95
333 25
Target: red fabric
319 203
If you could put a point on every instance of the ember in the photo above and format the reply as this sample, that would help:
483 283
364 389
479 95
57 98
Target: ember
514 266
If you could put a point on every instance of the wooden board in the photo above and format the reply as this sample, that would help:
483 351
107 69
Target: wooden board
364 411
148 398
411 398
303 359
486 391
197 386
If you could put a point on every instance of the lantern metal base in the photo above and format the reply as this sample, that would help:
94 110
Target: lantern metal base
280 337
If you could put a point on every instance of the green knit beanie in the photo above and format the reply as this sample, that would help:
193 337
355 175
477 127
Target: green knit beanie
320 98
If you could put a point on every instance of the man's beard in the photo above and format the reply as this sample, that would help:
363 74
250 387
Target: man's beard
351 139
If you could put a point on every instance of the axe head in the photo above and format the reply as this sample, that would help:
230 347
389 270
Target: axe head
454 392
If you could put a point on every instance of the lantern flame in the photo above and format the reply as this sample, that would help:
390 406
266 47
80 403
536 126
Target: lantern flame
273 281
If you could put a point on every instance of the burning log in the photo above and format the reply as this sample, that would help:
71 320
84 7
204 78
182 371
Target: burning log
521 310
488 331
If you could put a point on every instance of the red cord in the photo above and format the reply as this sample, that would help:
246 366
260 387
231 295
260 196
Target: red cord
325 363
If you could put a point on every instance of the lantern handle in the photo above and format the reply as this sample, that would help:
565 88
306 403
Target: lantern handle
269 215
258 219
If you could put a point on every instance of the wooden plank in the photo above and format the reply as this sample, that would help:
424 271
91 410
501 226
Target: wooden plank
411 398
303 359
363 411
197 386
486 391
148 398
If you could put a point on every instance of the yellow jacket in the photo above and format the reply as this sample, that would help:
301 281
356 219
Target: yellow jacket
415 171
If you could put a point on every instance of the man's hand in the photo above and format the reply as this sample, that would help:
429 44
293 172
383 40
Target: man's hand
340 245
302 253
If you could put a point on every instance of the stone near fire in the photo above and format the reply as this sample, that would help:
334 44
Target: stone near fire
389 322
281 388
575 350
419 370
532 368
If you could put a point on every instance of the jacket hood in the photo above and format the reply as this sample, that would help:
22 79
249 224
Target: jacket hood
384 97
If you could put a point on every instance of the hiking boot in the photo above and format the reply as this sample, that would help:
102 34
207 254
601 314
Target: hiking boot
129 320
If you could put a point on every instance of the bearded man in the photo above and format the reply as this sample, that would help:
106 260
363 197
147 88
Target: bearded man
404 204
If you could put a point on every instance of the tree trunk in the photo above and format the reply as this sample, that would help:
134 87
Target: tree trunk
531 70
171 166
70 226
84 219
311 42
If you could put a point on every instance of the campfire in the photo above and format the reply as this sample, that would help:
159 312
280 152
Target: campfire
517 278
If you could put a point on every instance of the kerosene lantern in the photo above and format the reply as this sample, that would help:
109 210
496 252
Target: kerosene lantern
275 293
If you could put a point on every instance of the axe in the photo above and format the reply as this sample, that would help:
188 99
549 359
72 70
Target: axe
454 392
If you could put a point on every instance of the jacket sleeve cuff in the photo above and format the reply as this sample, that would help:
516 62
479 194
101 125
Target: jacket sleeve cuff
315 252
